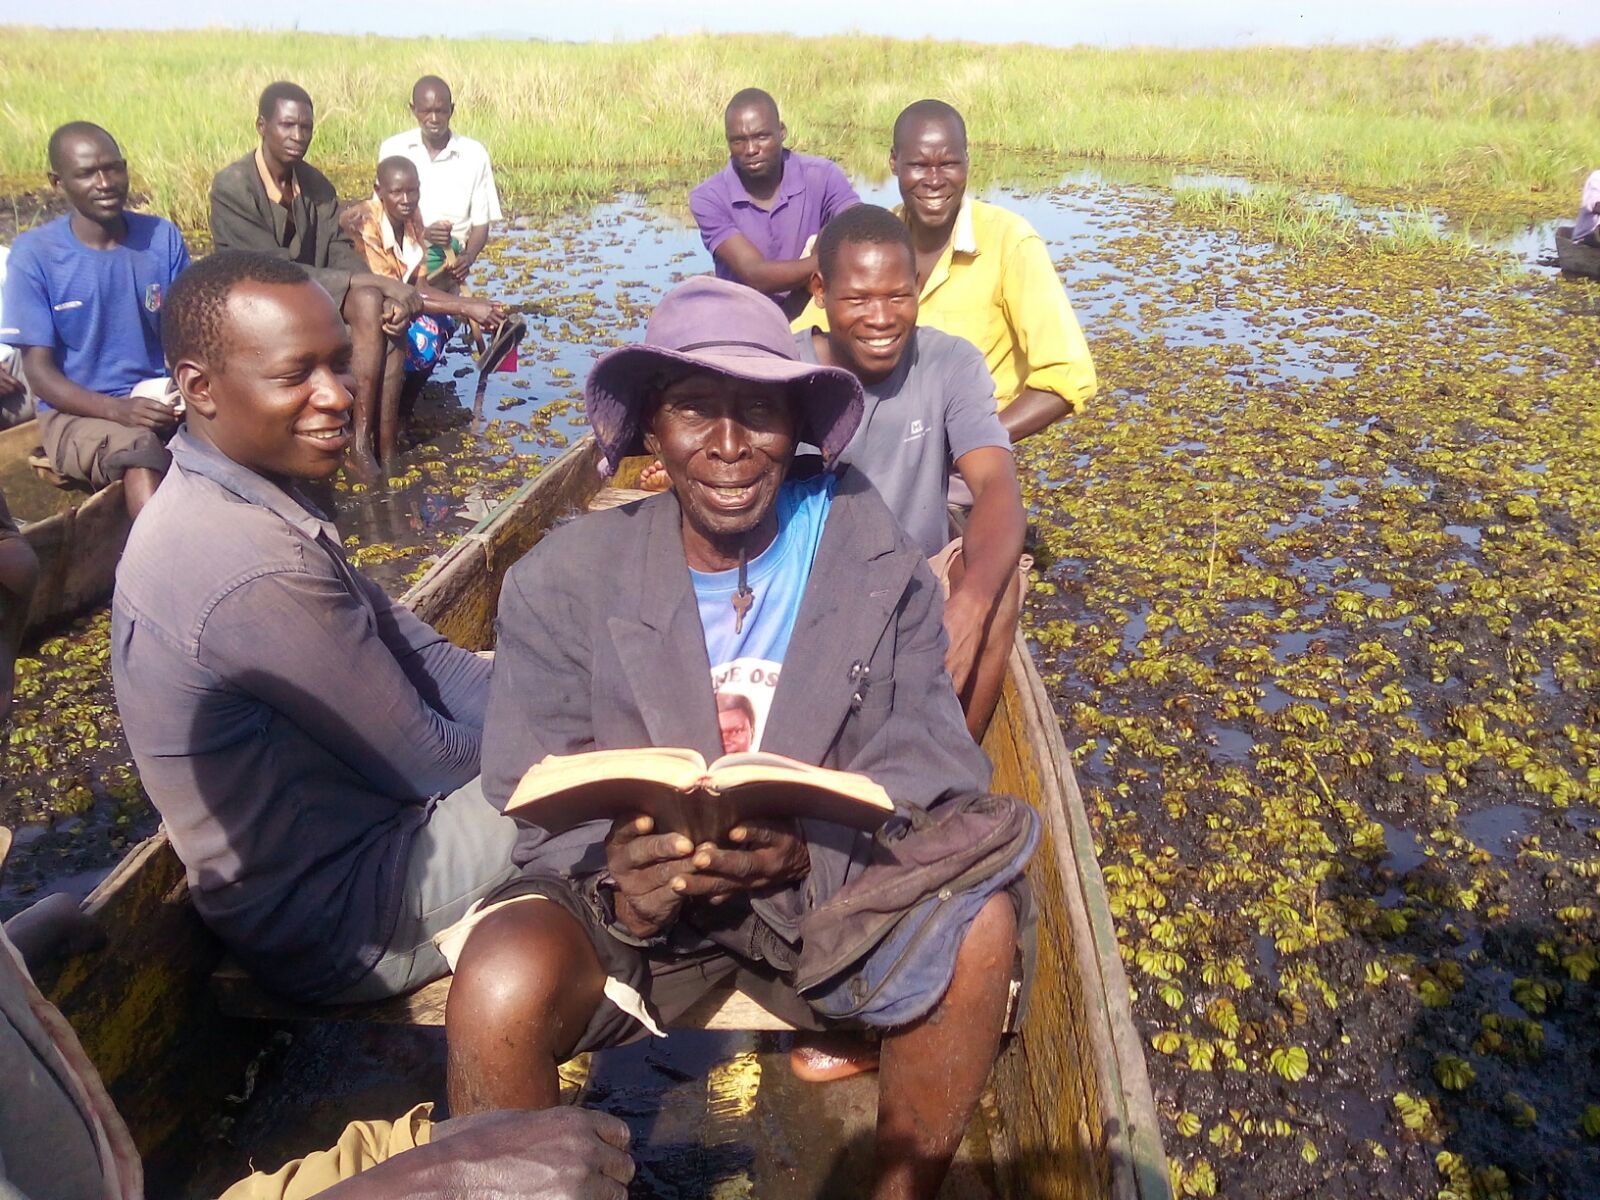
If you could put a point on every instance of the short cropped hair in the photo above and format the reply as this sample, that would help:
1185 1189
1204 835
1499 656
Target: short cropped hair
927 110
74 129
191 317
432 81
275 94
751 97
396 162
862 224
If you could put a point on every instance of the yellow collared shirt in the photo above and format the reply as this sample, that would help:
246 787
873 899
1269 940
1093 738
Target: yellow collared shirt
996 286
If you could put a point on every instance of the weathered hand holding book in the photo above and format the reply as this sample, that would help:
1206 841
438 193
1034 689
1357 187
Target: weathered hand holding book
684 794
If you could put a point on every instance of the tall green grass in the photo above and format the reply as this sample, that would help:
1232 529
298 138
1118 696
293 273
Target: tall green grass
569 122
1276 214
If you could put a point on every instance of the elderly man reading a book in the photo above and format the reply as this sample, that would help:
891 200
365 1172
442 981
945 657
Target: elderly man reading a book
800 594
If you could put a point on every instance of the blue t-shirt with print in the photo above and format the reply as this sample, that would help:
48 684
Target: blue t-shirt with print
747 663
98 310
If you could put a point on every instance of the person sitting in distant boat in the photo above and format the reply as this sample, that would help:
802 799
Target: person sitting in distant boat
16 398
388 231
311 745
759 213
62 1138
83 298
19 574
983 274
458 201
1586 228
274 202
804 593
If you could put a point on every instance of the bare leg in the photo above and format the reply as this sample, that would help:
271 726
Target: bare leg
526 985
363 312
19 573
934 1071
394 380
138 485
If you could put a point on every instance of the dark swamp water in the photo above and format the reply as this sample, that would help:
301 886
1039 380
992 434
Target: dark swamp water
1318 608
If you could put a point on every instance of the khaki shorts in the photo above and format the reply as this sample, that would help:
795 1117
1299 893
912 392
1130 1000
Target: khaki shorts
645 989
99 452
363 1144
941 563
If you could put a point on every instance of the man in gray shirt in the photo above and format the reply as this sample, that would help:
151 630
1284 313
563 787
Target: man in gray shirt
310 744
930 404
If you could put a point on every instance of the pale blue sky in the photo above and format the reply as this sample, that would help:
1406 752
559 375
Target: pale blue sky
1054 22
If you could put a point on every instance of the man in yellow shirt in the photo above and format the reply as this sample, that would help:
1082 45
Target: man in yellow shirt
984 275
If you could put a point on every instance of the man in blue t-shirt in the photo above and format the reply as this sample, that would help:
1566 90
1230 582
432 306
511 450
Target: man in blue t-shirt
83 302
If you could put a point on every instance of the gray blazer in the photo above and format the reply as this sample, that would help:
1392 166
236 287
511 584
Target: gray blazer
600 647
242 218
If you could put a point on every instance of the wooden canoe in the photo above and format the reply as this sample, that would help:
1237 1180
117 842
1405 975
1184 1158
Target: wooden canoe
1069 1114
1574 258
77 536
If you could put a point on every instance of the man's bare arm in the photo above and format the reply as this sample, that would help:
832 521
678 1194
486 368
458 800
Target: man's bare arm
1032 411
60 393
990 548
750 267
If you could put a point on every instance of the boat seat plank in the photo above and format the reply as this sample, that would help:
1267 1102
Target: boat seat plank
238 995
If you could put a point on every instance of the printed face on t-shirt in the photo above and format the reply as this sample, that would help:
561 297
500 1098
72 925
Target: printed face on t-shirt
738 730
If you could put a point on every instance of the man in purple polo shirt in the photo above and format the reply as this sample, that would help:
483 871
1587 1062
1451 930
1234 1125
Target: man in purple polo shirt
757 214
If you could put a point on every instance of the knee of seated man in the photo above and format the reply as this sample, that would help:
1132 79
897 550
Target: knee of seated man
992 934
363 306
530 961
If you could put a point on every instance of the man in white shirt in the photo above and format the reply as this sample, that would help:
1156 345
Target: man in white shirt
458 194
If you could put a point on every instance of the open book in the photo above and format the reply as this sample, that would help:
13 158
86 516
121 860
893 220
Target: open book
685 795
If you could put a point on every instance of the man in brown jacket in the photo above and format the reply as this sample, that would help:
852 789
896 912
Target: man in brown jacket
275 202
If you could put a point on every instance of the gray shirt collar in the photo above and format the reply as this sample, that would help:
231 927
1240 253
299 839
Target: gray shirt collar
201 458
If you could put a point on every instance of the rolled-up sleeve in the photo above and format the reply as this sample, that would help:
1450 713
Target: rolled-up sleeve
307 648
1046 328
837 194
712 213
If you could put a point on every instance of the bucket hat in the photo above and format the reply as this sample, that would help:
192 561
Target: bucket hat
729 329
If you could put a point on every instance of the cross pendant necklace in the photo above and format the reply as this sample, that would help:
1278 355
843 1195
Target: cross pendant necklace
742 595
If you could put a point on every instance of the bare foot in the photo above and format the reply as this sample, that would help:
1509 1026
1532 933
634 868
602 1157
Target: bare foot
822 1057
654 478
361 466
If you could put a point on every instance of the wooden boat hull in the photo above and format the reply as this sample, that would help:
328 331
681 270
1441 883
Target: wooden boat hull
1075 1115
78 544
1574 258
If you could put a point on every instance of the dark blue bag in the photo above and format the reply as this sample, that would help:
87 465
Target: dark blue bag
883 950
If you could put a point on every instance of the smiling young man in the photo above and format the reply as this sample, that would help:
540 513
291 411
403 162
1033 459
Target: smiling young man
757 214
387 229
983 274
459 201
311 746
802 595
274 202
83 300
929 403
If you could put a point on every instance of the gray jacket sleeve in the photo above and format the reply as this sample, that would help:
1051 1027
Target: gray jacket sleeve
237 224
